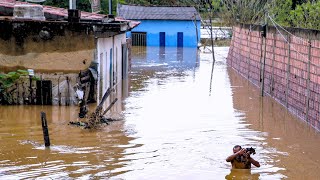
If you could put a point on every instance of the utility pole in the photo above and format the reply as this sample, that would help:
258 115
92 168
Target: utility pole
195 23
110 6
72 4
212 46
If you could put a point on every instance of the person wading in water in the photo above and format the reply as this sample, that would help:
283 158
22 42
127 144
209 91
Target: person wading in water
240 159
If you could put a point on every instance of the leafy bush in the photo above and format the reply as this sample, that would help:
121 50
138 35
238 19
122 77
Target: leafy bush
7 81
306 15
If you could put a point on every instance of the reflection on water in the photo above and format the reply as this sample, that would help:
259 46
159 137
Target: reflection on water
289 143
172 128
74 152
242 174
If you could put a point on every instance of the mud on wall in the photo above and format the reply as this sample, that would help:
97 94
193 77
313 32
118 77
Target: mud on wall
44 49
54 50
285 66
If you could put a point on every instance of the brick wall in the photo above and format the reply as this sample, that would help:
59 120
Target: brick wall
290 73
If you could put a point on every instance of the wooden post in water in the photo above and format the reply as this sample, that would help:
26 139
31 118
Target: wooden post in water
59 94
195 23
31 90
41 90
68 93
105 96
45 129
212 48
110 106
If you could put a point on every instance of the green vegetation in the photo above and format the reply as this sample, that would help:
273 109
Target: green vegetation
305 15
8 82
244 11
290 13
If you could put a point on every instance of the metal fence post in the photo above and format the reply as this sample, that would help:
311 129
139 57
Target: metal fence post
288 70
308 81
263 65
249 59
261 56
273 59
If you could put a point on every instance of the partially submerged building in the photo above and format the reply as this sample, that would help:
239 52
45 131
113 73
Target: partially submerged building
163 26
67 50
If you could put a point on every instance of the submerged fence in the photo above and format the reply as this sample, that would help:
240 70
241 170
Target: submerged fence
285 64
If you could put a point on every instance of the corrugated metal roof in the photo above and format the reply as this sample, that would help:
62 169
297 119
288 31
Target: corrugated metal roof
157 12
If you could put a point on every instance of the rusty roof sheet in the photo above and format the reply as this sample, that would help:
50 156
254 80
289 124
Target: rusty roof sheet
63 13
10 1
157 12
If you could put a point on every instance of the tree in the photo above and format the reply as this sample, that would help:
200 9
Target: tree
306 15
280 11
290 13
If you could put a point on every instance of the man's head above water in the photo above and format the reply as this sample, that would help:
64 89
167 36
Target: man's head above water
236 148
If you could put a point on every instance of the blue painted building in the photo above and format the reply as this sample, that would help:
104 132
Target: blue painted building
163 26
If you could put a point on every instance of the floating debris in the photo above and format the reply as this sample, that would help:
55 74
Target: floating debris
92 124
97 118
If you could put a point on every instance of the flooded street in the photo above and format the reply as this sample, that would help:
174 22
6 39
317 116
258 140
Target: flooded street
171 128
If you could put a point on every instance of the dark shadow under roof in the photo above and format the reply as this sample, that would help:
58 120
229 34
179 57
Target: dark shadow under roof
134 12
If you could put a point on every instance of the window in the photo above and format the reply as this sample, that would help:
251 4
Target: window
139 38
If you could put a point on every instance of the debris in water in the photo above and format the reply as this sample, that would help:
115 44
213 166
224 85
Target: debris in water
97 118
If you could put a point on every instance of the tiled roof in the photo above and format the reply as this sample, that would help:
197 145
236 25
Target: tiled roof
10 1
63 13
157 12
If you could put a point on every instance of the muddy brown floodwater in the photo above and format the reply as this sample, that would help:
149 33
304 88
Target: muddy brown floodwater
171 129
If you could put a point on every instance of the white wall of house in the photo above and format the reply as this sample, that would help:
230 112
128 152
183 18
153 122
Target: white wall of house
109 57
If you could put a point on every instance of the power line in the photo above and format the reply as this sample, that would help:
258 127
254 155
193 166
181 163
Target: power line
301 39
302 55
285 38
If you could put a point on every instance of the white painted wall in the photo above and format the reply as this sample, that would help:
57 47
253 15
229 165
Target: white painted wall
104 46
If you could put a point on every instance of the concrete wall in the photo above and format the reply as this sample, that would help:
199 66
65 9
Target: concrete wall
171 28
70 52
64 53
290 73
109 57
